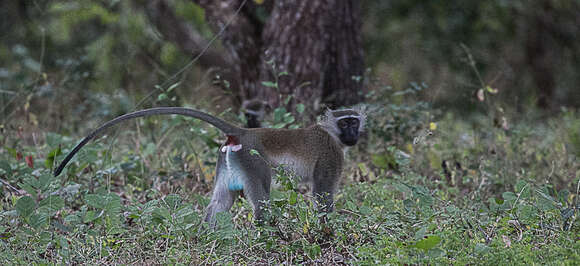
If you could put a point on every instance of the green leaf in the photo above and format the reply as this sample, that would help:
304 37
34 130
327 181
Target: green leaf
160 214
288 119
149 149
173 201
314 250
363 168
112 203
254 152
545 202
90 216
436 253
38 220
173 86
520 185
115 230
162 97
10 151
428 243
509 196
51 204
526 212
279 114
25 206
94 200
300 108
491 90
28 188
383 160
563 196
168 236
421 233
4 165
44 181
226 83
279 202
365 210
53 140
270 84
51 156
481 248
72 219
523 189
293 197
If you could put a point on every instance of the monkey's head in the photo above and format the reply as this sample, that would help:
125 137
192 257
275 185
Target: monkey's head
255 110
253 121
346 125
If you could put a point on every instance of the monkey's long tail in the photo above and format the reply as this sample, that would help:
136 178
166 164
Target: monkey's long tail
222 125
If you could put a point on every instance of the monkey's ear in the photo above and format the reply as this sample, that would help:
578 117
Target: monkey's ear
267 107
328 121
362 112
328 115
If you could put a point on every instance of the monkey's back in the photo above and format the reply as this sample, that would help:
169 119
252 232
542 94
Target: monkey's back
298 149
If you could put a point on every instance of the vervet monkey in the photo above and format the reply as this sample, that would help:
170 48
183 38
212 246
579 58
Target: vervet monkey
316 154
254 111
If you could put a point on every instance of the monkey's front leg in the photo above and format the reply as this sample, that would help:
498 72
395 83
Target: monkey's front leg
324 198
324 184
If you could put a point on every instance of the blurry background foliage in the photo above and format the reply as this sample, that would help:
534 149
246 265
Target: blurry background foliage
100 57
520 47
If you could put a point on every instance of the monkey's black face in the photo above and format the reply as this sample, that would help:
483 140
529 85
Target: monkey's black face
253 121
348 130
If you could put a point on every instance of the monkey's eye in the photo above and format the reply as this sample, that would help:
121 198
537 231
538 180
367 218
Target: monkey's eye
342 124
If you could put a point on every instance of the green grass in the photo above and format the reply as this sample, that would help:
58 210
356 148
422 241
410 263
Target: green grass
138 196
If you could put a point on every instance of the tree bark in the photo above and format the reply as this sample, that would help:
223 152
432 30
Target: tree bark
311 49
343 84
538 56
318 43
241 38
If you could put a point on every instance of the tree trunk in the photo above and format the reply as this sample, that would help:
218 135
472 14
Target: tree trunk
310 49
318 44
538 56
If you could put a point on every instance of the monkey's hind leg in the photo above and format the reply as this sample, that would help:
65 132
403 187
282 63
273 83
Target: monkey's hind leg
223 196
257 182
222 200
